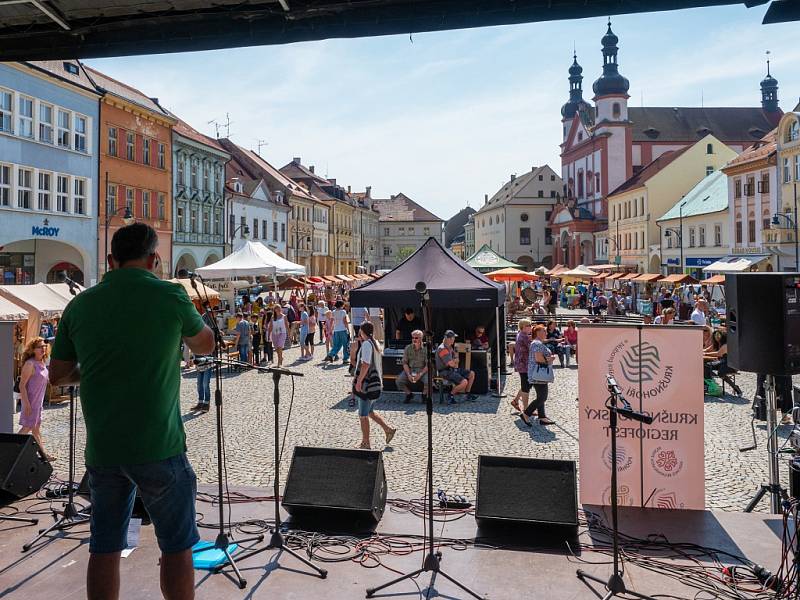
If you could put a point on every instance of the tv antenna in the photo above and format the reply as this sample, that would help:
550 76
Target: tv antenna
259 144
226 124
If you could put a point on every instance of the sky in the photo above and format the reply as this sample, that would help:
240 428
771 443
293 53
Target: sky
447 117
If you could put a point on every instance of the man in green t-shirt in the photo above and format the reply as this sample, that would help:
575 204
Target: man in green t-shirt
121 341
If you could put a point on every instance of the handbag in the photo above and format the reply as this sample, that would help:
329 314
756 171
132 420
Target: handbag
541 373
372 386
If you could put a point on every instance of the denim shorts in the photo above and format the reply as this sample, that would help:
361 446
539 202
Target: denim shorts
168 489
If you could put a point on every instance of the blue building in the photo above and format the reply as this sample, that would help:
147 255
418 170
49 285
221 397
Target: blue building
48 172
198 177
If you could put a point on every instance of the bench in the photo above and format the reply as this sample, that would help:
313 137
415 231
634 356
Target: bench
439 384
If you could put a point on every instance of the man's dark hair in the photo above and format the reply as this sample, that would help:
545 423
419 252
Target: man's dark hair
409 311
339 304
133 242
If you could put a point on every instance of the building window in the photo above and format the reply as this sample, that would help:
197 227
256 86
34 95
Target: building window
64 120
793 133
162 207
386 250
765 222
669 241
797 167
146 151
193 174
45 191
274 231
255 229
750 187
45 123
580 183
111 199
193 220
283 232
6 112
616 110
145 205
691 237
24 189
787 174
79 197
231 225
181 179
130 200
205 179
131 149
25 117
548 236
218 181
701 234
242 226
426 230
541 177
112 141
709 170
524 236
179 223
80 133
738 232
264 230
717 234
217 222
62 193
709 148
751 230
597 182
161 156
5 185
763 185
206 222
737 188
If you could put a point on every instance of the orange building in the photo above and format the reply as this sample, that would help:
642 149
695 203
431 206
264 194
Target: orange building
135 166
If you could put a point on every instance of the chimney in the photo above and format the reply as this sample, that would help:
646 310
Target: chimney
348 189
486 198
311 168
369 191
513 176
297 160
333 181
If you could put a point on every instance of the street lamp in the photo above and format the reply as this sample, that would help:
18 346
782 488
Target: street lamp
336 253
244 228
794 224
679 233
297 242
127 218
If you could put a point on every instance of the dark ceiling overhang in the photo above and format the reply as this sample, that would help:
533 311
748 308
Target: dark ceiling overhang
55 29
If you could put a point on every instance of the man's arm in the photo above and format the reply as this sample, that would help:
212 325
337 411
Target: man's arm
64 372
203 342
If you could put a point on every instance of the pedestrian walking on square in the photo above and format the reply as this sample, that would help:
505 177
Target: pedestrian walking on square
204 372
341 338
328 331
32 387
243 337
278 330
369 359
304 354
130 398
312 331
266 320
522 347
255 327
321 318
540 375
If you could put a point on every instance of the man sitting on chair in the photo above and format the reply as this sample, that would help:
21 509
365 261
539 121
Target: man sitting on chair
447 366
415 366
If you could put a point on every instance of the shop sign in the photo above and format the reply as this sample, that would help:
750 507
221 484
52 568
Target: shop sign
696 261
45 230
674 261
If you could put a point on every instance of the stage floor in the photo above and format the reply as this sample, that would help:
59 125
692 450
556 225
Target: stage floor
56 567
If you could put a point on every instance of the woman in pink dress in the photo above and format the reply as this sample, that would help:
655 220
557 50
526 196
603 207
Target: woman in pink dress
32 387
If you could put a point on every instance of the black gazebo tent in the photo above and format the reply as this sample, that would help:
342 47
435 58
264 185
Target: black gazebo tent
461 298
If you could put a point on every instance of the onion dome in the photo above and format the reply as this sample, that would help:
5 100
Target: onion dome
610 82
575 90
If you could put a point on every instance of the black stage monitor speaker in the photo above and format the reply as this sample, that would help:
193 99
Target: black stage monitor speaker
526 490
23 470
763 322
348 486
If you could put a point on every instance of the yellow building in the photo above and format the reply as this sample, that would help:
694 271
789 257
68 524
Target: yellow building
782 234
634 207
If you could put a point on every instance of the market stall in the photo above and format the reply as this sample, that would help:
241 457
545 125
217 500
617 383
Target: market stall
205 292
43 304
485 259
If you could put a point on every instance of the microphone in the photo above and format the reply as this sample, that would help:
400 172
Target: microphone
634 416
626 410
206 360
613 386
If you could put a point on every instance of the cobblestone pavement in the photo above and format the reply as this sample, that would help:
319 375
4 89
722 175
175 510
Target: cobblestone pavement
320 416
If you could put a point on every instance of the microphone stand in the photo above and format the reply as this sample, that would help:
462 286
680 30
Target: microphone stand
432 561
224 538
615 583
277 540
70 515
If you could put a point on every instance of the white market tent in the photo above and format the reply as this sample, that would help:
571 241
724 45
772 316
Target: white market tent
10 311
581 271
735 263
251 260
39 300
62 289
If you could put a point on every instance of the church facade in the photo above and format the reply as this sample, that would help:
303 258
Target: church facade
606 142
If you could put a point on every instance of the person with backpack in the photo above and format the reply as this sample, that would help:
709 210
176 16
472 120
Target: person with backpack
367 386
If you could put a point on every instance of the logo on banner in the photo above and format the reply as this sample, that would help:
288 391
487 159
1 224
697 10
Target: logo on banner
624 458
631 363
665 462
624 495
666 499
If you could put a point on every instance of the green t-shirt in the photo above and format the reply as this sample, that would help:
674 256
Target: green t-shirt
125 333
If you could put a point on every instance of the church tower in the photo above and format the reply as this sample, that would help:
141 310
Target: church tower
576 101
769 93
611 114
